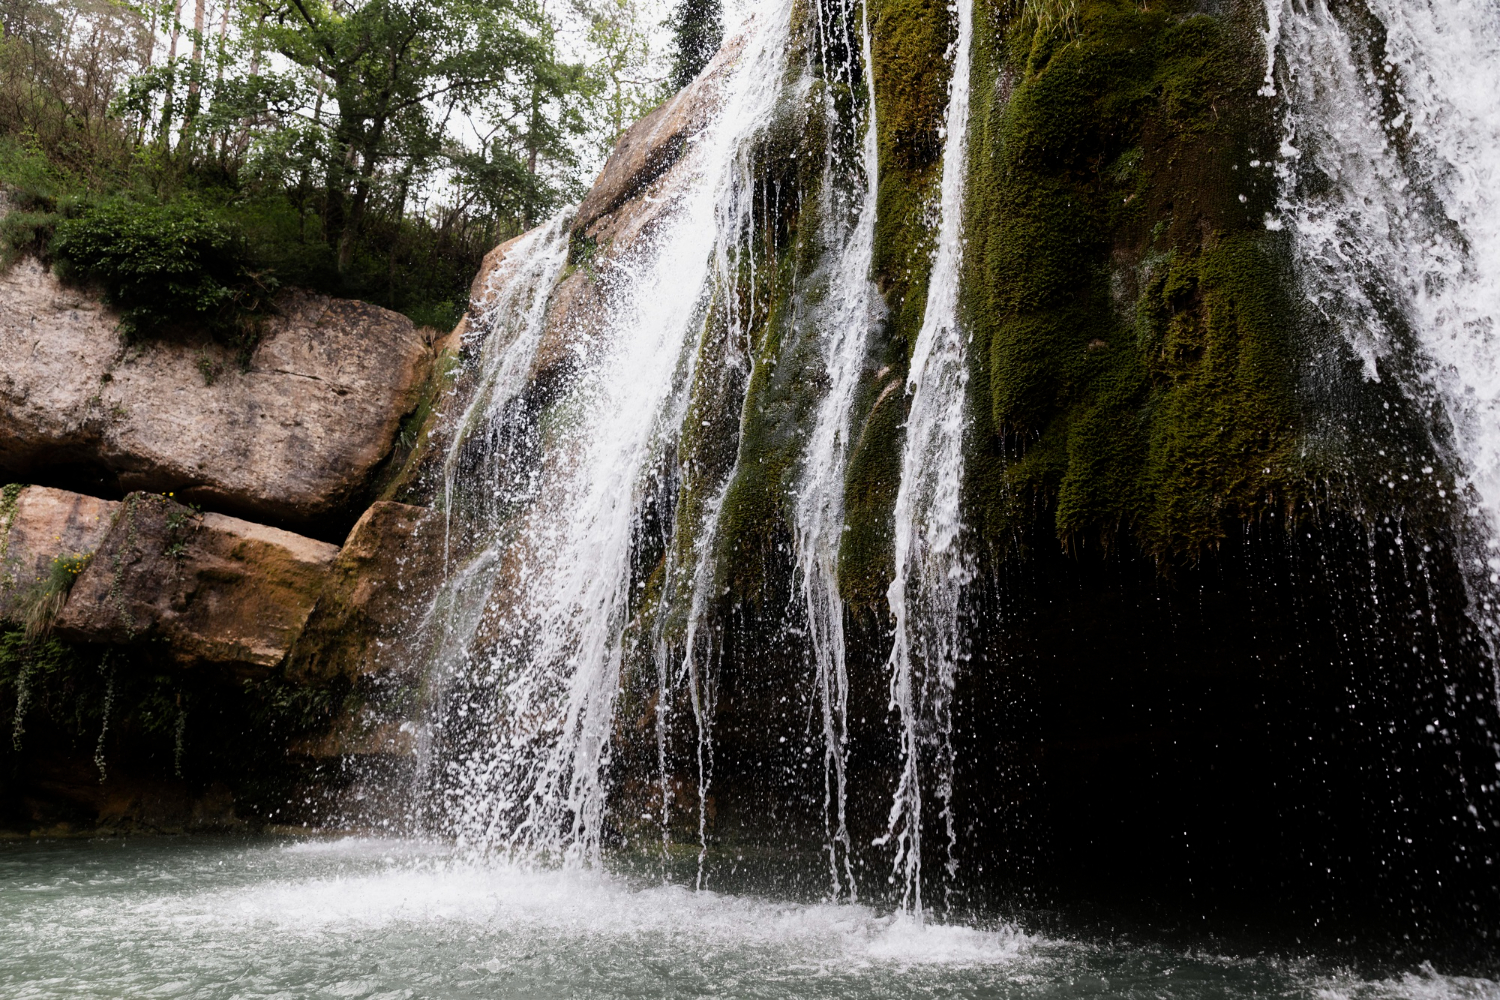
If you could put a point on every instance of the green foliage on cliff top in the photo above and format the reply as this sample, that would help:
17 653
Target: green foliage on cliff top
166 267
373 150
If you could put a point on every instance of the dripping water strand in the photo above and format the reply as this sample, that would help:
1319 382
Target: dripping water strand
931 566
481 485
1389 174
735 240
846 327
541 684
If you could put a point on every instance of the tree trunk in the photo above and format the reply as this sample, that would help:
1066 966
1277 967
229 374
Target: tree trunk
356 216
302 177
166 107
401 195
195 85
341 167
219 79
369 156
532 143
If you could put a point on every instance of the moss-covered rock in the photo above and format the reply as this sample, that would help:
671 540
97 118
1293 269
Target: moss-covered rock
379 585
47 537
1133 336
908 42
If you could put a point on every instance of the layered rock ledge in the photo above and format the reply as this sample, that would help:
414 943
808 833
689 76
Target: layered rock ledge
292 438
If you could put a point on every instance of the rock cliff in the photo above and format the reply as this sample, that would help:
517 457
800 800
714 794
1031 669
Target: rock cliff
292 437
1178 578
1188 620
148 610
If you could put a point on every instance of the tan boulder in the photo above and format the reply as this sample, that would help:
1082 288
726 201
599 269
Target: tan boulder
213 588
44 532
293 438
368 615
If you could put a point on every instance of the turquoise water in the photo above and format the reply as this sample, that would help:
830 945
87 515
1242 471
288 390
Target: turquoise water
393 920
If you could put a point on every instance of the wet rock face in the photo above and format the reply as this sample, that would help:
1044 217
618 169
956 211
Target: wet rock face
292 439
213 588
193 671
650 165
650 147
378 588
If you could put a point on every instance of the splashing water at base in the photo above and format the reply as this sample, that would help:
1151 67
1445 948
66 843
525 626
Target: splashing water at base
384 919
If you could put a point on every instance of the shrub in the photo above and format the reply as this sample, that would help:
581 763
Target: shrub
168 268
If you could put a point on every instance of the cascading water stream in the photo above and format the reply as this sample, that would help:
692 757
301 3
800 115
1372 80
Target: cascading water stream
850 315
1390 185
552 594
931 565
516 295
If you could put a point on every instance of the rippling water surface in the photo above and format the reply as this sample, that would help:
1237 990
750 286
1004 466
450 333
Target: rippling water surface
381 919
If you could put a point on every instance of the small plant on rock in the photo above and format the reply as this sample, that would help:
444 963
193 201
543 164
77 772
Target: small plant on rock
46 600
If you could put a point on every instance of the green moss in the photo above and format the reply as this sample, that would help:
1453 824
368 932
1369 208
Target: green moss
908 38
755 519
10 497
40 606
763 460
1132 351
867 548
908 41
406 474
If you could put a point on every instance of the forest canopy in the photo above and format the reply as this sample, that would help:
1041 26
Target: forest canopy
374 149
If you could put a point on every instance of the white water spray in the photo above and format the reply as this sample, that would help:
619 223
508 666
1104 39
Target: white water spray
1391 187
931 566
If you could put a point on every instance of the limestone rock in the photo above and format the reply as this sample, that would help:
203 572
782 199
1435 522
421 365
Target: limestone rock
378 588
361 735
39 526
292 439
652 145
214 588
57 346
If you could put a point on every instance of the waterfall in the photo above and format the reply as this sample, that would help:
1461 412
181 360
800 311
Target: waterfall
845 325
529 673
513 311
1390 186
931 565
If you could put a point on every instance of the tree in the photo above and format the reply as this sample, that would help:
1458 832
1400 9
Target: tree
395 71
629 82
698 27
369 148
